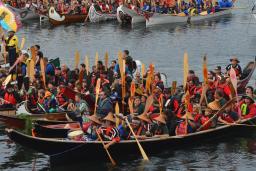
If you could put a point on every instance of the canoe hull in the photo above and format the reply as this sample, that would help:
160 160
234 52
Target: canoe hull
25 14
159 19
60 150
56 19
96 17
126 15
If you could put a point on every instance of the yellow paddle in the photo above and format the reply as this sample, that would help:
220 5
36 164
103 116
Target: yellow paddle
42 65
96 59
23 40
117 112
87 65
185 70
33 53
77 59
106 61
97 88
111 159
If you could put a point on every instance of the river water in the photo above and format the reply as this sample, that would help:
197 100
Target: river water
164 46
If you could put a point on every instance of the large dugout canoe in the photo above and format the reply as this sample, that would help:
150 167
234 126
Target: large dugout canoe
159 19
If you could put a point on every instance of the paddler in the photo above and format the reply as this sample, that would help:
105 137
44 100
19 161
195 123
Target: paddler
109 132
94 125
22 78
9 97
235 65
186 125
144 127
248 108
159 126
12 48
104 105
50 104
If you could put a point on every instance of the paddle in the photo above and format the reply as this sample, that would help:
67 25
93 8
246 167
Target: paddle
205 77
42 65
7 80
23 40
32 70
174 87
97 90
142 70
86 62
143 153
149 102
96 59
233 80
117 112
185 70
106 61
223 108
77 59
33 53
111 159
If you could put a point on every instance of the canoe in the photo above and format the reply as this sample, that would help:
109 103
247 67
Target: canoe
12 120
57 19
246 76
61 150
25 14
158 19
57 130
96 16
128 16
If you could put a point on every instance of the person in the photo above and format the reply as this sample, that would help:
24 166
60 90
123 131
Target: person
9 97
186 125
143 129
248 108
61 99
95 123
22 78
217 71
218 96
138 108
50 104
78 109
159 127
12 48
235 65
108 131
224 87
128 61
39 56
249 91
104 106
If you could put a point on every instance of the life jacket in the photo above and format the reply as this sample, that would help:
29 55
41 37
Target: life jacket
181 129
9 97
244 110
110 133
205 119
84 10
227 118
12 42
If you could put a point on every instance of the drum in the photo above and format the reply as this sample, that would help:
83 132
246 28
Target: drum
76 135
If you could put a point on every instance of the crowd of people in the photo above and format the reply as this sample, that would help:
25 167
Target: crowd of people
142 98
192 7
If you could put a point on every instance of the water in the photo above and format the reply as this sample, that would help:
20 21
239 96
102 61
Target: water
164 46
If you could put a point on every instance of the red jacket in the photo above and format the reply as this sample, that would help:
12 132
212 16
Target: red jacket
251 112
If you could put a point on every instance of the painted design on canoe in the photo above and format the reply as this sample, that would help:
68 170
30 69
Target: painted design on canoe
126 15
25 14
95 16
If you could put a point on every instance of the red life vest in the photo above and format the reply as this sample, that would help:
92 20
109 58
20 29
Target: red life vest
10 98
204 119
181 129
60 99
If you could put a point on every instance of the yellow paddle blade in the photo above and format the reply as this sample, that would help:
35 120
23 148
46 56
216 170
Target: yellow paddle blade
132 89
96 59
185 69
106 61
32 70
117 112
142 69
148 83
130 103
7 80
42 65
87 65
33 53
160 101
97 91
205 70
77 59
174 86
149 102
23 40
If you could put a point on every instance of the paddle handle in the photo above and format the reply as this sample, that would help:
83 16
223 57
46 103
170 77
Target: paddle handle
110 158
143 153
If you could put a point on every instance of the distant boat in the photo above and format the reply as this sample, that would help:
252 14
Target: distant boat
126 15
96 16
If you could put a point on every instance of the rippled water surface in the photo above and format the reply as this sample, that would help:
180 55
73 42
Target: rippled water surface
164 46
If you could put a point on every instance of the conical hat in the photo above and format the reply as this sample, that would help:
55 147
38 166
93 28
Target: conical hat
215 105
188 115
110 117
95 119
144 117
160 118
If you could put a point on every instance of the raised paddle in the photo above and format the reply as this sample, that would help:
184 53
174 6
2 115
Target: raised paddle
86 62
23 40
143 153
221 110
149 102
110 158
97 88
42 66
77 59
96 59
33 53
106 61
185 70
174 87
233 80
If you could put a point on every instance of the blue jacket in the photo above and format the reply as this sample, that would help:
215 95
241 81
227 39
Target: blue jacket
50 69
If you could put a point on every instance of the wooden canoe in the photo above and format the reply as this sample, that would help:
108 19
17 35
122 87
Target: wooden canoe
61 150
57 19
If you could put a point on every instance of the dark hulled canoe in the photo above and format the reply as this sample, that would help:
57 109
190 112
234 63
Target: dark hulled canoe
56 19
61 150
246 76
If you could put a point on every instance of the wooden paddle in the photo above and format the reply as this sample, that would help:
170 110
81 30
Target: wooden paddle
143 153
130 103
32 70
96 59
97 91
221 110
205 70
33 53
110 158
87 65
160 101
149 102
77 59
23 40
142 70
233 80
42 65
174 87
185 70
117 112
7 80
106 61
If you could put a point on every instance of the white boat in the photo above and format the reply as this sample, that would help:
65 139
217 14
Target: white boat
126 15
96 16
158 19
25 14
